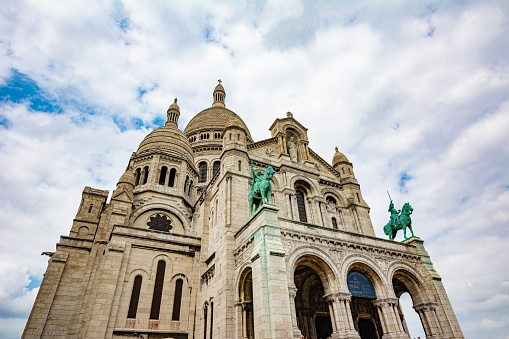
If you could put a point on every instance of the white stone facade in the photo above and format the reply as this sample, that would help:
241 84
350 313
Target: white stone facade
175 253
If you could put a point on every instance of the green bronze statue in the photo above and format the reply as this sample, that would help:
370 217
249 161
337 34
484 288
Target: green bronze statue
260 189
399 221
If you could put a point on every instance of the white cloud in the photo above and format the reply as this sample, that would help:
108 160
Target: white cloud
404 87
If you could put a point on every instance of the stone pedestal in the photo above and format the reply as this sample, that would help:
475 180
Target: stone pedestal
271 302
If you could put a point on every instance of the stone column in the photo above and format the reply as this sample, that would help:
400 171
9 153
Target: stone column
310 209
292 290
347 329
295 209
228 200
320 211
389 317
240 320
427 313
167 178
337 326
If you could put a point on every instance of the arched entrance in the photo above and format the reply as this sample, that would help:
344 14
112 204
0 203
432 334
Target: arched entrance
364 314
313 312
405 282
246 321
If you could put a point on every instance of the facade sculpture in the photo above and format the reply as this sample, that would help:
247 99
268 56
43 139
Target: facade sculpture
176 252
400 219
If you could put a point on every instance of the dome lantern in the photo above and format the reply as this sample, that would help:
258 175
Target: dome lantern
173 113
219 95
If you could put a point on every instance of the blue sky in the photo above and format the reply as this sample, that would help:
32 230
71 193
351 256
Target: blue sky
414 93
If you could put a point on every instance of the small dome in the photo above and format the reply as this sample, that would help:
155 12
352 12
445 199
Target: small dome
215 118
219 87
167 139
219 95
173 113
127 178
174 105
338 157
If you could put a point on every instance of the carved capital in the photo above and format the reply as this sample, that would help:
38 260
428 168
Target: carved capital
385 302
292 290
425 306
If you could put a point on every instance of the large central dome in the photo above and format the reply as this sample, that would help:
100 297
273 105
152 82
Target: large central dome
214 118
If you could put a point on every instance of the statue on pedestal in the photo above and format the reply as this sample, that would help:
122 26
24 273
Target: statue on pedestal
399 219
260 189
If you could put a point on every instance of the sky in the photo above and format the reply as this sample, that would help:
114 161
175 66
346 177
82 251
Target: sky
414 93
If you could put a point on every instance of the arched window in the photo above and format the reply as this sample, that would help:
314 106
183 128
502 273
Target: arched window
186 182
190 188
145 175
301 206
215 167
205 322
334 223
158 290
171 180
90 208
162 175
240 165
203 172
211 319
137 176
135 297
177 300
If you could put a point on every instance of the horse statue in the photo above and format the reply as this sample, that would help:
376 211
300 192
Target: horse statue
260 189
399 221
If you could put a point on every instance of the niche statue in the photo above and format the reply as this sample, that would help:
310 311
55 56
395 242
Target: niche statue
260 189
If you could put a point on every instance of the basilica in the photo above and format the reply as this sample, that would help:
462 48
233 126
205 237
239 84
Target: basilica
177 250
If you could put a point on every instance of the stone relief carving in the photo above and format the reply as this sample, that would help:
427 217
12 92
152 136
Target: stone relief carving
269 152
337 255
288 246
330 207
382 262
243 255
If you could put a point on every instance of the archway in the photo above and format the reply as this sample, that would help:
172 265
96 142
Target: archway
404 284
246 303
312 307
365 316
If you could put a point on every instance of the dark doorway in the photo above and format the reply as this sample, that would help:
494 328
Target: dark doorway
323 327
367 329
313 317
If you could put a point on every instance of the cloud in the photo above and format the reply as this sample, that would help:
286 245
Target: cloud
404 89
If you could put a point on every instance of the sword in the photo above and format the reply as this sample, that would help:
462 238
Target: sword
389 195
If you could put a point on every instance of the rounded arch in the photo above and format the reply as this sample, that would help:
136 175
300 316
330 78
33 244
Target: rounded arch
155 261
183 219
83 231
330 192
319 261
289 128
245 284
404 278
180 276
139 271
363 264
243 270
312 188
